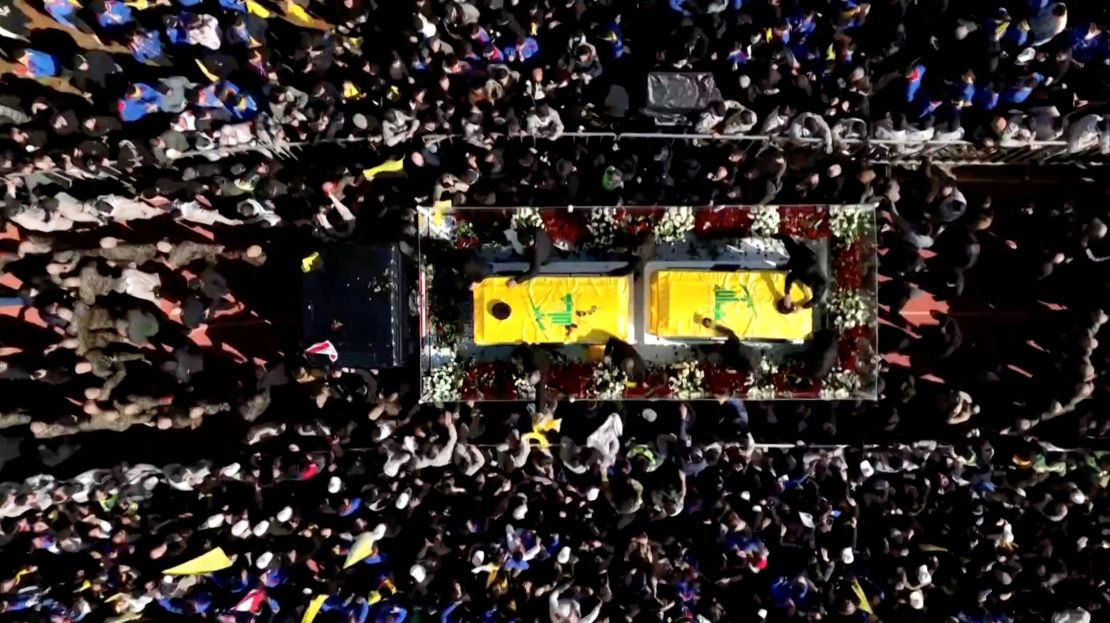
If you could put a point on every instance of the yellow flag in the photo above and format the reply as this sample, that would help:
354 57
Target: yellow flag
545 423
207 74
295 10
215 560
864 603
313 608
350 91
362 548
373 598
310 262
493 575
257 9
389 166
540 440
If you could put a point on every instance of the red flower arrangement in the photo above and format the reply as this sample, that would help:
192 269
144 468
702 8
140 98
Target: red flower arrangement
849 273
656 385
566 229
571 379
790 381
636 220
720 381
730 220
809 222
487 381
467 242
853 342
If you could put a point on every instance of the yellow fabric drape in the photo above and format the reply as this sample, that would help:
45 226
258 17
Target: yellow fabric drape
554 310
743 301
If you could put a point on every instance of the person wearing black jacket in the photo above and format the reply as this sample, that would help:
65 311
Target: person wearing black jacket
803 267
539 253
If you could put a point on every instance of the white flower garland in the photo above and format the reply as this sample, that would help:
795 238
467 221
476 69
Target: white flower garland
763 385
850 222
443 383
526 219
675 224
525 390
687 380
765 221
603 225
608 382
849 309
840 384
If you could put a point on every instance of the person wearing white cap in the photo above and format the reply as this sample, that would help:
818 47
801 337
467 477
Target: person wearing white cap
241 528
418 573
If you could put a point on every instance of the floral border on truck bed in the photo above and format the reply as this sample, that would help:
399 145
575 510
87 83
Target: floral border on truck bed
448 235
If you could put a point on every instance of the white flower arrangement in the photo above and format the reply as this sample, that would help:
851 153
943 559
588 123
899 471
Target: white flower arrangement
840 384
675 224
763 385
603 225
443 383
436 223
525 390
527 219
687 380
609 382
765 221
849 309
850 222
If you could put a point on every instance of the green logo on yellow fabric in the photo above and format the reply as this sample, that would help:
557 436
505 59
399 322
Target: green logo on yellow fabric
722 296
562 318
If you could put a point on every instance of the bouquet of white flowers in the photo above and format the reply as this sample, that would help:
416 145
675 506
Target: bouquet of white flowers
763 383
526 219
765 221
687 380
603 225
849 309
840 385
850 222
443 383
525 390
675 224
609 382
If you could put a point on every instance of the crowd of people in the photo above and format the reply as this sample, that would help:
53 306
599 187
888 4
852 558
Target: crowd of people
121 88
346 500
